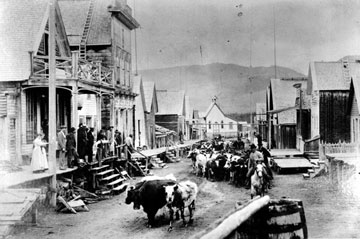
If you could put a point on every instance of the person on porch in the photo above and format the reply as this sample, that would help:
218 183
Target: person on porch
39 161
61 139
71 153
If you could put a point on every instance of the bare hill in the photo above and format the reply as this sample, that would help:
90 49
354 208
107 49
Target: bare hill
229 82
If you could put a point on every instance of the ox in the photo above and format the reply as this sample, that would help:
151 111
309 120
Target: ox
199 162
150 195
180 196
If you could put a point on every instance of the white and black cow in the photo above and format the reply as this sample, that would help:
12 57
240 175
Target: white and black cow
180 196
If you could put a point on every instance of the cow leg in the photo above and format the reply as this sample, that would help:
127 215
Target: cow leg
190 212
182 209
177 215
171 211
151 218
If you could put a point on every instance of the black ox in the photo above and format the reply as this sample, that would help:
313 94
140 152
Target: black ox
150 195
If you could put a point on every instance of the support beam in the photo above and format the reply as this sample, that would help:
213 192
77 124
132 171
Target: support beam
52 99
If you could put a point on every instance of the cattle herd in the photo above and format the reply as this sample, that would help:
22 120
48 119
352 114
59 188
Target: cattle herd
217 161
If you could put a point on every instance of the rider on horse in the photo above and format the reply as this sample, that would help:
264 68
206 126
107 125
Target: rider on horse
255 158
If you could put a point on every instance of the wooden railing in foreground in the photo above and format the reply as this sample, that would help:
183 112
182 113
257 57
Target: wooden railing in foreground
260 218
341 147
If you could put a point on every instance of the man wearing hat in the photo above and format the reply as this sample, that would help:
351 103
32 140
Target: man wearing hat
61 139
255 156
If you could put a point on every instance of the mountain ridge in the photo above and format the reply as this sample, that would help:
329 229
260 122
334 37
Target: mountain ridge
229 82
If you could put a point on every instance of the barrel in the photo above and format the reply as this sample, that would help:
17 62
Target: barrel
286 219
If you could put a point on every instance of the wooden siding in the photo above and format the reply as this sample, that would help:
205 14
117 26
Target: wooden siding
170 122
334 121
9 120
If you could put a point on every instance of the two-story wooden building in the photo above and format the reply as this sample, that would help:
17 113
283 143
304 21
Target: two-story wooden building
101 31
329 87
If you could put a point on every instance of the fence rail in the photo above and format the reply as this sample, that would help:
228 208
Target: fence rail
341 147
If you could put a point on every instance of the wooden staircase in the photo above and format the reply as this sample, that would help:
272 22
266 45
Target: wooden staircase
84 37
107 180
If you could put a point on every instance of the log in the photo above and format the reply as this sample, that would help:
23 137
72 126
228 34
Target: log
235 220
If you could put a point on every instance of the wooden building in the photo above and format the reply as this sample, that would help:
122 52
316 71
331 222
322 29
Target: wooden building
101 31
171 110
281 96
354 109
151 109
217 123
140 111
329 87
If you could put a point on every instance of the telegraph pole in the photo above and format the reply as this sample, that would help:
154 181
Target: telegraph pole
52 99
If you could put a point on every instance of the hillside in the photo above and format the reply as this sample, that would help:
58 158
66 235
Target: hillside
229 82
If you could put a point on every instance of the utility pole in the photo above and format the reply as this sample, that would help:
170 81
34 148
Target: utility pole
52 99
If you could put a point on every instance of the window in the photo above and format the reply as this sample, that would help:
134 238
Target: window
209 124
230 125
222 124
31 116
122 38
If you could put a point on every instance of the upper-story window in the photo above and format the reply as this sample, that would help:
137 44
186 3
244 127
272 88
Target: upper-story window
122 38
209 124
222 124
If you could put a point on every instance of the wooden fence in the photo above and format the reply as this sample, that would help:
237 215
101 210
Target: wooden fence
339 148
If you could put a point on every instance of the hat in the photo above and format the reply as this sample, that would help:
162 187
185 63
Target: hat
72 129
252 146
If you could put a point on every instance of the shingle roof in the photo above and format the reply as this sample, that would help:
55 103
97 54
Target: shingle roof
75 13
284 95
149 91
329 75
170 102
21 26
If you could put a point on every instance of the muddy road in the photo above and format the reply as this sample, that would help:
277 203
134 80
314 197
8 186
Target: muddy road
329 213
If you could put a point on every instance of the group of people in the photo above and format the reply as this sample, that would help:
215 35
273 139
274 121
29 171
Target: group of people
71 150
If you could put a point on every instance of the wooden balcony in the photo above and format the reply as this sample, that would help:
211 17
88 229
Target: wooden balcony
72 68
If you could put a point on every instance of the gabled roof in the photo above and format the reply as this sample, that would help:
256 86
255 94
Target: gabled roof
171 102
138 89
356 84
75 13
211 106
330 75
283 97
22 24
149 95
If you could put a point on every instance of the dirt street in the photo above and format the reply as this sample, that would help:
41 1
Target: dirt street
329 213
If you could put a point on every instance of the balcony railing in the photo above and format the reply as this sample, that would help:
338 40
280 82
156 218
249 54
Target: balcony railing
72 68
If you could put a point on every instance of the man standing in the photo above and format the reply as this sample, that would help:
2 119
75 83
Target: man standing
61 139
129 143
71 148
81 141
90 144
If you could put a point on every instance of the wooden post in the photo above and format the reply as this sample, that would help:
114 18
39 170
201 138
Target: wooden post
98 111
31 63
74 63
52 98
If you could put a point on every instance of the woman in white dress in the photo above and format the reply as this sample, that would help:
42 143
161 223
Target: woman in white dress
39 161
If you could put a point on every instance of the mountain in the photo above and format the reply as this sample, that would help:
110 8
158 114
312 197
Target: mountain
229 82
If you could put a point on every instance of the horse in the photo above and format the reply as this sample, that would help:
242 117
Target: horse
180 196
257 181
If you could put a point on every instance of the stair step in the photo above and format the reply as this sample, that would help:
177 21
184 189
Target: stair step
116 182
121 187
105 172
105 192
311 171
306 175
100 168
113 176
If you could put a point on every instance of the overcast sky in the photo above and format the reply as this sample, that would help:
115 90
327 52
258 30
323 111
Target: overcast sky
172 32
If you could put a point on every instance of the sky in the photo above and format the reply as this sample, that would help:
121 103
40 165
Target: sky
172 32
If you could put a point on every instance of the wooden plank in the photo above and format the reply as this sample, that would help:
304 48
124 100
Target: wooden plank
292 163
